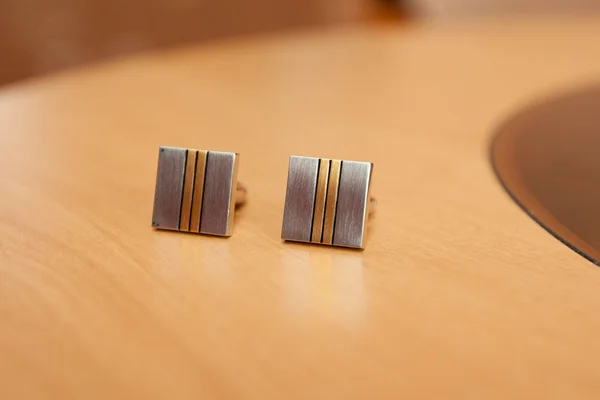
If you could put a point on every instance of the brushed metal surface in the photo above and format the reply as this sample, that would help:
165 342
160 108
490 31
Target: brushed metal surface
198 191
300 199
353 196
331 202
219 193
169 188
235 193
188 191
320 198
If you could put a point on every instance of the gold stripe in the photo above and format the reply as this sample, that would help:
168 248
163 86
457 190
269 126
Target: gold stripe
320 201
188 189
198 191
331 203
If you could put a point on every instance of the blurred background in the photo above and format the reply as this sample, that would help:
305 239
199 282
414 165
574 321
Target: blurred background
40 36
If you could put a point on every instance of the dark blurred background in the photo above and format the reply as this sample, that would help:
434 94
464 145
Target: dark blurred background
38 36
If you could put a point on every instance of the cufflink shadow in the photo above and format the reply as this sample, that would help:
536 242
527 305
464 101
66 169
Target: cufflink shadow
320 245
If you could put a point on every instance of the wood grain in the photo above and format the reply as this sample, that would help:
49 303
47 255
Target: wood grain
457 295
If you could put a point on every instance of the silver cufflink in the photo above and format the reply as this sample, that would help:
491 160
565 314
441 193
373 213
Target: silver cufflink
196 191
327 201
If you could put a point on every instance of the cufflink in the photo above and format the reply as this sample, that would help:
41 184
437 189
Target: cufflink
327 201
196 191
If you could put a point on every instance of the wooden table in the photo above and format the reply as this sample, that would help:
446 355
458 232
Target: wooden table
457 295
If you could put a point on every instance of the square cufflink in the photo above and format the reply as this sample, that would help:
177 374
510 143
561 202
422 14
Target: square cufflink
327 201
195 191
